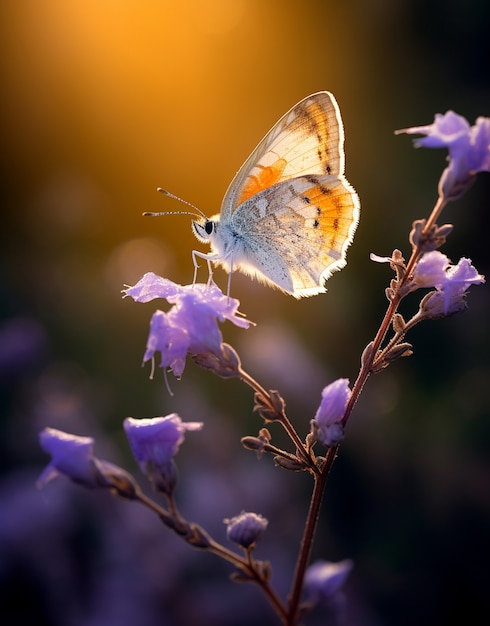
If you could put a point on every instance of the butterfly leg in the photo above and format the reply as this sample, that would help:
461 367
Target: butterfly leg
208 257
229 276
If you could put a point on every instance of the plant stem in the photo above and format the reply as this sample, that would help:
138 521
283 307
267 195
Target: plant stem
282 418
436 211
365 370
308 536
246 565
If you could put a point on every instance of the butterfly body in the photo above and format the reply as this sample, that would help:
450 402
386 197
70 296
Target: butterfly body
278 235
289 214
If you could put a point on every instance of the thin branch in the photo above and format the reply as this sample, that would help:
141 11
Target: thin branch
282 418
308 536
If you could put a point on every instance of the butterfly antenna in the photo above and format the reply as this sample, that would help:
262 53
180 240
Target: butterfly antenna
174 197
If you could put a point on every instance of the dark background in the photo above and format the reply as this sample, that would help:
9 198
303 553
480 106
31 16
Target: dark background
105 100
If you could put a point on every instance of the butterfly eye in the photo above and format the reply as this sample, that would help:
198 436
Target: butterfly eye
203 229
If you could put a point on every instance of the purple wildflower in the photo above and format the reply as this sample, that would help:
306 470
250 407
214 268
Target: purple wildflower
157 440
73 457
447 131
327 424
171 340
191 325
431 270
479 158
150 286
323 579
468 146
154 442
450 295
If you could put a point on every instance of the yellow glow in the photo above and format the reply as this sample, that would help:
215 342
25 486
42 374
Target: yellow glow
135 94
216 17
133 258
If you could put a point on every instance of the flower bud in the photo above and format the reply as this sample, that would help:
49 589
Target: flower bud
327 425
246 528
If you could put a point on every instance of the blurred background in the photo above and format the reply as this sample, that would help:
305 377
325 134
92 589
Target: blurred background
103 101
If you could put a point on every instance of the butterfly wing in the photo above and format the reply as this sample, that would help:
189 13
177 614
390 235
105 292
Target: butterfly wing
308 139
297 232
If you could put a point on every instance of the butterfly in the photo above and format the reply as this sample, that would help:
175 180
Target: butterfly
289 213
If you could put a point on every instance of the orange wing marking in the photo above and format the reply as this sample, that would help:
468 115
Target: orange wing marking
265 177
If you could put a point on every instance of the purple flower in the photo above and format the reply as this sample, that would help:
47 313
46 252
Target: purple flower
71 455
480 155
448 131
323 579
450 295
191 325
246 528
468 146
150 286
431 270
154 442
170 340
198 316
327 424
157 440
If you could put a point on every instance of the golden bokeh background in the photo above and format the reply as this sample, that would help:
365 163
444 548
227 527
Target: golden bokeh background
103 101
